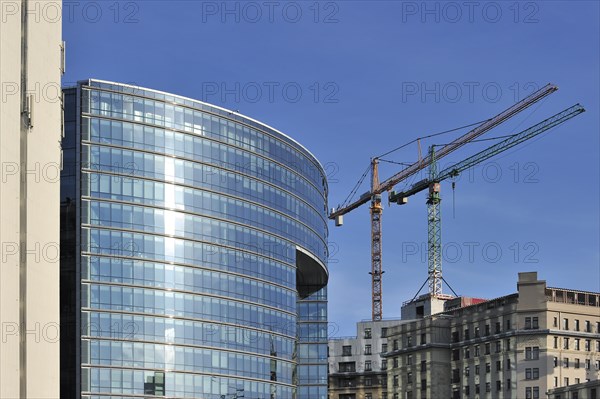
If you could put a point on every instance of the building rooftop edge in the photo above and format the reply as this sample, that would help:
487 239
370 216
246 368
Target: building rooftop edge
315 159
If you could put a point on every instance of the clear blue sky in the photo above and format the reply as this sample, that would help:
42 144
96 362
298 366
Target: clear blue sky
353 79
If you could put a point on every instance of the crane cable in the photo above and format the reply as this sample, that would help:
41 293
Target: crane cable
356 187
432 135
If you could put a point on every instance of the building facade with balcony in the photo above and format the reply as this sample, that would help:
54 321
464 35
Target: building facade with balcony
356 368
195 251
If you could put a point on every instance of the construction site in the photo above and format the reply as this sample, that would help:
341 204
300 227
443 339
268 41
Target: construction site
451 345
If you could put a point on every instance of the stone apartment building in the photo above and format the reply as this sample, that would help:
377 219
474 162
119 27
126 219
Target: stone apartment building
520 346
585 390
515 347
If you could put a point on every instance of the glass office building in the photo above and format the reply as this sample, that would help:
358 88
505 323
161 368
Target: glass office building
194 252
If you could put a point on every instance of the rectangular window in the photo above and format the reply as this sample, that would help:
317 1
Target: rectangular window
423 339
576 344
565 343
507 364
476 332
395 362
555 361
498 385
476 369
455 354
467 353
368 365
507 344
588 364
555 323
487 348
566 362
528 393
383 332
555 382
508 385
588 326
498 346
588 345
535 324
384 348
487 329
576 325
368 380
409 360
498 327
576 363
395 381
423 365
508 325
488 387
528 323
409 378
367 333
455 337
536 392
532 352
477 350
455 376
566 381
555 342
565 324
488 367
367 349
535 373
384 364
347 350
423 385
347 367
395 344
466 371
467 334
527 374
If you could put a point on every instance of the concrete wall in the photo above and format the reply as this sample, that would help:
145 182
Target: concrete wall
29 199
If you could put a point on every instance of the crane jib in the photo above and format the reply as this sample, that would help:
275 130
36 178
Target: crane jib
474 133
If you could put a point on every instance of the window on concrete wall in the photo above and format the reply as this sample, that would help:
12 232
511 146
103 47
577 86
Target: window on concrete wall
347 350
367 333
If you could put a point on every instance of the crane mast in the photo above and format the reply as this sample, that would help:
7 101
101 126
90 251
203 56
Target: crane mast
434 229
376 270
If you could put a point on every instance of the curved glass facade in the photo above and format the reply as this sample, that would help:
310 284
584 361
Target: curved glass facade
199 249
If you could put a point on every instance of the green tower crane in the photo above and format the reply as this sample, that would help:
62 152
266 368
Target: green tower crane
434 230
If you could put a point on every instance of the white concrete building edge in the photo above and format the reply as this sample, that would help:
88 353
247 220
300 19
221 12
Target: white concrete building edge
30 157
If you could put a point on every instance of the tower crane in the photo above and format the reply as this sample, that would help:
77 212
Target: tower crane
377 188
434 239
